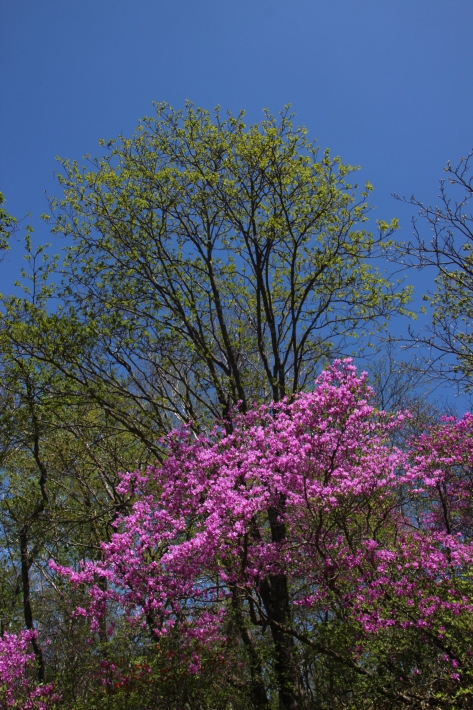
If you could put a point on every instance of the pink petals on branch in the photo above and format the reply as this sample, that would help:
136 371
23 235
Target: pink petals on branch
17 673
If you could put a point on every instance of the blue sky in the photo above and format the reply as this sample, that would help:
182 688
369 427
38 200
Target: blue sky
386 84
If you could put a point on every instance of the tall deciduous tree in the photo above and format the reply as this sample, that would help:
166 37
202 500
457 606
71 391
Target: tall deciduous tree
210 265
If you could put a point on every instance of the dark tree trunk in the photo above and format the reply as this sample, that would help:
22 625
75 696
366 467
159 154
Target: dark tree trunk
27 610
275 595
258 693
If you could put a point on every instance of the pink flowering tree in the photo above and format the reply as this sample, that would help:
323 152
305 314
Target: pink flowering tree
296 541
18 688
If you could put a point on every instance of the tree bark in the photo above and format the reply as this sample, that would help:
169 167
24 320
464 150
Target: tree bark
27 610
258 693
275 596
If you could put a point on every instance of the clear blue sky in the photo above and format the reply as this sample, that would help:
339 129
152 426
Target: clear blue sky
386 84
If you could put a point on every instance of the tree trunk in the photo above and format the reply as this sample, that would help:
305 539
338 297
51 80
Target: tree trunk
258 694
275 595
27 610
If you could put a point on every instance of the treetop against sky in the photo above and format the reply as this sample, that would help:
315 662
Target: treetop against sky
382 84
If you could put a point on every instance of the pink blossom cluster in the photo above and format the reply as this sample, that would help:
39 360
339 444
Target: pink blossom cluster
383 531
17 670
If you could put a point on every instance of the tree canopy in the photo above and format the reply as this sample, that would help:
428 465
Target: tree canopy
211 264
447 250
